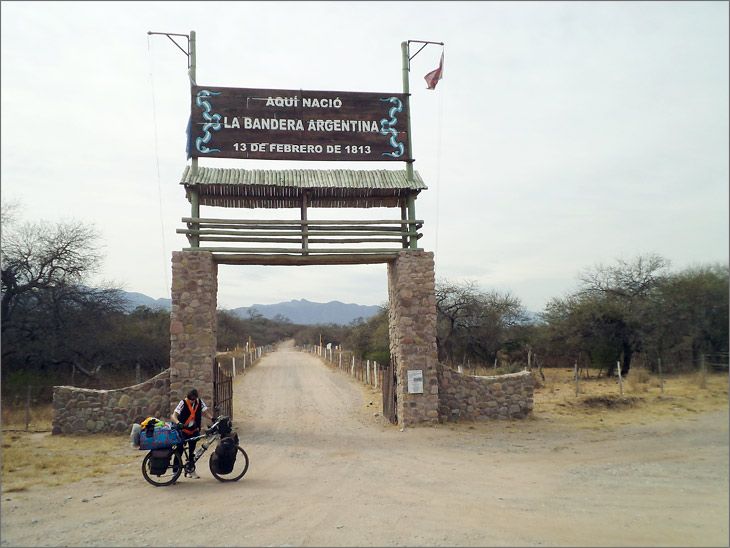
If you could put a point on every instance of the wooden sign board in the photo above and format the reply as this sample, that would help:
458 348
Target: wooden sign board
271 124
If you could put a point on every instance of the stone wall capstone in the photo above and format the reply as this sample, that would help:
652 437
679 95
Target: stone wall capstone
88 411
480 398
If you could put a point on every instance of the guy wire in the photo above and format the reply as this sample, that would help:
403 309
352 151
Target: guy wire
157 164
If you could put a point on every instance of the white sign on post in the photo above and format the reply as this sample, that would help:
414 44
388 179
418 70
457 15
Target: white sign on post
415 381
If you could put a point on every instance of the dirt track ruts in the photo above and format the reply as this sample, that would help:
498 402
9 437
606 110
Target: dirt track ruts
326 472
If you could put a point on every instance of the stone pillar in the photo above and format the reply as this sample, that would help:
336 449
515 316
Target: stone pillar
412 329
193 324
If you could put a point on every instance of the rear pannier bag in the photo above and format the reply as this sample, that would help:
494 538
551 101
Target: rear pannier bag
159 437
159 461
225 456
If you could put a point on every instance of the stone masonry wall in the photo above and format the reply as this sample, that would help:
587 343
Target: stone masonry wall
83 410
412 329
193 324
479 398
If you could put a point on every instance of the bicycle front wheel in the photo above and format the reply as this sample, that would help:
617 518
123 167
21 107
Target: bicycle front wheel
240 467
169 476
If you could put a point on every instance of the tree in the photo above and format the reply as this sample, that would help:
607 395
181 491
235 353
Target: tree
621 295
37 257
476 324
50 318
690 315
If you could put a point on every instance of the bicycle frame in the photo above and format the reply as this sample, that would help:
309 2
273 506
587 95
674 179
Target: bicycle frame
213 437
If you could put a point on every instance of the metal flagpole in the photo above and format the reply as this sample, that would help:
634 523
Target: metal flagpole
406 63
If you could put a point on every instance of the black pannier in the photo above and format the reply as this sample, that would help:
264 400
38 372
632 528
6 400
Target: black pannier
224 427
225 455
159 461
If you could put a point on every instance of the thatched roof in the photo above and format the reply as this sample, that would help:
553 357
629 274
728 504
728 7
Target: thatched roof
260 188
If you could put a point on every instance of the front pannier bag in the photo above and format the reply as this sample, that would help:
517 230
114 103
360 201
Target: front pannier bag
159 461
225 456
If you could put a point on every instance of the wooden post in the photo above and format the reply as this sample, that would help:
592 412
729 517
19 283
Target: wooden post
661 376
234 365
404 217
412 218
703 372
27 409
375 370
194 199
577 378
305 226
620 378
406 68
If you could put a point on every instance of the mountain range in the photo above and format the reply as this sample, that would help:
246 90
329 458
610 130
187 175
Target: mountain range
299 311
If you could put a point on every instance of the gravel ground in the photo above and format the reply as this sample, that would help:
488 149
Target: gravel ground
325 471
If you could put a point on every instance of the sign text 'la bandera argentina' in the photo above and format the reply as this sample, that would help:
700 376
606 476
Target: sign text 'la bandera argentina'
269 124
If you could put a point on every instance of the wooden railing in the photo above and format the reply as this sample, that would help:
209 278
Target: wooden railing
301 237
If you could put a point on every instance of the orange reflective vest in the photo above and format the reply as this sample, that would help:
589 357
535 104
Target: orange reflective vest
189 428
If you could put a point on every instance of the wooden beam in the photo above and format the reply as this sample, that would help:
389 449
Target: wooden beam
300 260
294 221
269 251
295 233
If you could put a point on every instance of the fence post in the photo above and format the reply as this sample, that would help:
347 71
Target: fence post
577 378
375 370
661 376
27 409
620 378
703 372
234 365
352 368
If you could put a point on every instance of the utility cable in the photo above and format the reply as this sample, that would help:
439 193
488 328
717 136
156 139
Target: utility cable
157 164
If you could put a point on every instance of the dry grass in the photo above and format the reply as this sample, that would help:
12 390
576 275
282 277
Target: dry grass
31 459
599 402
40 417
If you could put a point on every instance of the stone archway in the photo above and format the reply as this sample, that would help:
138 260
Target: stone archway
412 330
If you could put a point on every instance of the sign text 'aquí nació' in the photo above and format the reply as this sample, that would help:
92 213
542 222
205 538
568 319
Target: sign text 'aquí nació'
271 124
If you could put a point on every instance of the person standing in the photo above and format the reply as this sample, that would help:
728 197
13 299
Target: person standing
189 415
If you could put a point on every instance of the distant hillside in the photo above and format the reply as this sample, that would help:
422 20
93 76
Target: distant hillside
306 312
299 311
134 300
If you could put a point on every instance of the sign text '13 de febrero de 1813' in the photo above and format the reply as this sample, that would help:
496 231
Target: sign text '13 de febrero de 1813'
269 124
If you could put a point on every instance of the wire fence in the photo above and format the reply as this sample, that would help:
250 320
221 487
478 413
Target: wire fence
368 372
28 408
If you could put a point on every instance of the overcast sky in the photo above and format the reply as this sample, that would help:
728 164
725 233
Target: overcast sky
562 135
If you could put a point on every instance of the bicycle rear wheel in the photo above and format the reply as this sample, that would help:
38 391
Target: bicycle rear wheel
240 467
170 476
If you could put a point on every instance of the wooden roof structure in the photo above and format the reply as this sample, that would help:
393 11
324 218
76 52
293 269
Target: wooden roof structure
246 188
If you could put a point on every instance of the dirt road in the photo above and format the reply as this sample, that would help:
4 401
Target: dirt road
326 472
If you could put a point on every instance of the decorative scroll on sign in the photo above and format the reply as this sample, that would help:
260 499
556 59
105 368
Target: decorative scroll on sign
268 124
